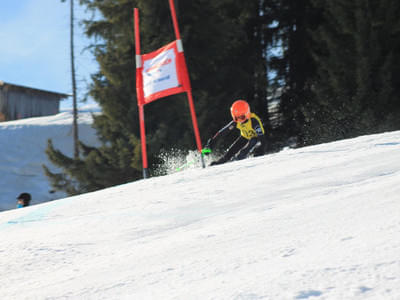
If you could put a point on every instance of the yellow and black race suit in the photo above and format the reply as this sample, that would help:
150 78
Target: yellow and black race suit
251 132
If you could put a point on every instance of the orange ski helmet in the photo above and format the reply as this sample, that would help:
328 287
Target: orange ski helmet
240 111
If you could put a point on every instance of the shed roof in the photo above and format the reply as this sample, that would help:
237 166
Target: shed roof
34 90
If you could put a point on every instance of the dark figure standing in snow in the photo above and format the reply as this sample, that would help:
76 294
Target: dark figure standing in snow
251 133
23 200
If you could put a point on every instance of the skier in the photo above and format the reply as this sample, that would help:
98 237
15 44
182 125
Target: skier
251 134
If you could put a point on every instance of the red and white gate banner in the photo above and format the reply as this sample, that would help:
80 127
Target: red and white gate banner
163 73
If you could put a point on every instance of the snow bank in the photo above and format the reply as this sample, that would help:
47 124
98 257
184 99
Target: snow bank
22 153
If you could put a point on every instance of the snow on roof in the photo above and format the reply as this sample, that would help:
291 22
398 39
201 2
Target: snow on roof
21 87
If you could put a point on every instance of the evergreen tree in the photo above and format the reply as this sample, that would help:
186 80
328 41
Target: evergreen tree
225 48
222 43
113 87
291 64
355 90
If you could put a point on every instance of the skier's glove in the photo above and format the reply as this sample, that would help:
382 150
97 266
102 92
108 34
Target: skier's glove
206 151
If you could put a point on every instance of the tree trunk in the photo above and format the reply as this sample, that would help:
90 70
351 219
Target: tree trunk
74 98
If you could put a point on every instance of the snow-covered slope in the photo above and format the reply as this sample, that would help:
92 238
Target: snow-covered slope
22 153
319 222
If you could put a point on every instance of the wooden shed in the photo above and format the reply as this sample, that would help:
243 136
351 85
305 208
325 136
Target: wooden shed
19 102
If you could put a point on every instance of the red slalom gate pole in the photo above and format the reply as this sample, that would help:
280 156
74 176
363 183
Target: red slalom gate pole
195 126
189 91
139 92
143 142
174 19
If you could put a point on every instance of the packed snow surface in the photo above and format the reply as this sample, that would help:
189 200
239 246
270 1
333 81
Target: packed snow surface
318 222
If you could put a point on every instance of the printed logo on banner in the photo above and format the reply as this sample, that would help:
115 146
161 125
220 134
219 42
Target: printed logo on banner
159 73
